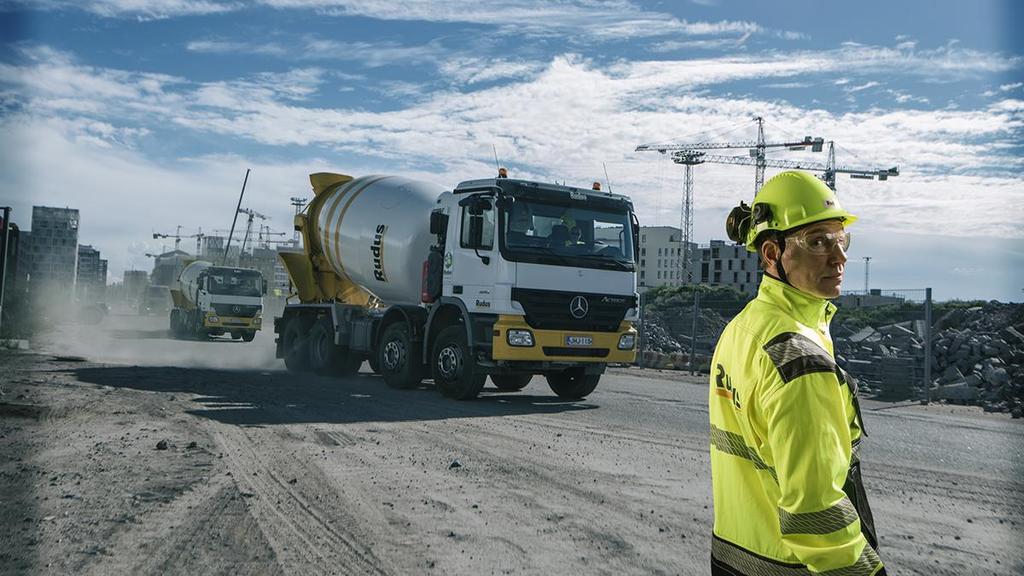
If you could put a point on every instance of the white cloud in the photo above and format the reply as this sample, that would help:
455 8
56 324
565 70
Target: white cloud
470 70
373 55
864 86
562 120
1009 87
142 9
211 46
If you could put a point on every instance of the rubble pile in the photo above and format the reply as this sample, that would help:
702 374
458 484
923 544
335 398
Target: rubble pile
667 338
978 357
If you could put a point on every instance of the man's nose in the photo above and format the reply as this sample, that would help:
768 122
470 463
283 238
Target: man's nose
838 255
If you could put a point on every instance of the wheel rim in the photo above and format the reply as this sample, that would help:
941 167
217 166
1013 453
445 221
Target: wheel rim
449 362
394 355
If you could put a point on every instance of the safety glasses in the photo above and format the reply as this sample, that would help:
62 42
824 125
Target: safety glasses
822 242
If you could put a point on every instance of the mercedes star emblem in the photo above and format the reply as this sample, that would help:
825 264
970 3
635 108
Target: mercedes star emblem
236 309
578 307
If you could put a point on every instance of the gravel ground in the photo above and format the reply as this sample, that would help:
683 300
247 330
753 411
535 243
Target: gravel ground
123 451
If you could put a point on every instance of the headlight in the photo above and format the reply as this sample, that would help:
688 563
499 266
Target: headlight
212 318
627 341
520 338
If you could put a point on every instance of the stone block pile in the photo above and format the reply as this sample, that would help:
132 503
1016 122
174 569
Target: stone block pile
978 358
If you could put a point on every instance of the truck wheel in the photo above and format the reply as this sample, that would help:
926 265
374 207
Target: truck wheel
248 335
572 384
511 382
325 357
453 367
399 360
295 342
175 323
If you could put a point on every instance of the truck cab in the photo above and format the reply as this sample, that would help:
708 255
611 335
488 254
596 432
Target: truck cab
546 275
216 300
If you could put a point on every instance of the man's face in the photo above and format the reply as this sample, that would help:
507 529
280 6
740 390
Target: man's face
820 275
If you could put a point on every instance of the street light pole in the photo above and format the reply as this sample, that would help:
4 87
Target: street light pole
867 268
4 243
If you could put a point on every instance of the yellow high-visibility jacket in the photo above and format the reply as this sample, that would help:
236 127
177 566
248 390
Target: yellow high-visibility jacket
785 428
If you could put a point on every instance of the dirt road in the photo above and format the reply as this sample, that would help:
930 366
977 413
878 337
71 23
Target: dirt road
122 451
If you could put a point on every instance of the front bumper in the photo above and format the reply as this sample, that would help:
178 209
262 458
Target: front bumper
553 346
233 322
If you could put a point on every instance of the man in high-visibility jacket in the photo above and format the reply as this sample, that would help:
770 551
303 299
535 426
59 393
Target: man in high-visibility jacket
785 422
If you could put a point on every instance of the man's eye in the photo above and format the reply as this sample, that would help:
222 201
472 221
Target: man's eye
817 241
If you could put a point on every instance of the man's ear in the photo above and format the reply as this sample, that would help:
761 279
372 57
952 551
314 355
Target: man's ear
769 254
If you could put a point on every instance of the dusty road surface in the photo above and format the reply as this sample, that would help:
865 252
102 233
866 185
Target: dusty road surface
125 452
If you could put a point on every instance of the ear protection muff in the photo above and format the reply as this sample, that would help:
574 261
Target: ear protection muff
737 225
761 213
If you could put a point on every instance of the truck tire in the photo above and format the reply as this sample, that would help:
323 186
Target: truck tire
453 367
175 323
295 343
327 358
511 382
572 384
248 335
399 359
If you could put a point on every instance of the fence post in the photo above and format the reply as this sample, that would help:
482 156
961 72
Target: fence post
927 345
693 331
642 329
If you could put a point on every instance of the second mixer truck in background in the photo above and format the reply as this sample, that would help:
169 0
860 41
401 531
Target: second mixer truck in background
497 277
215 300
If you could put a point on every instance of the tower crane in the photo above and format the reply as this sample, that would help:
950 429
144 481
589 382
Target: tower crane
178 236
298 202
690 155
248 227
828 169
265 234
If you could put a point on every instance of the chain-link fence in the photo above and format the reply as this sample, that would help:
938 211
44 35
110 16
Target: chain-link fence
880 337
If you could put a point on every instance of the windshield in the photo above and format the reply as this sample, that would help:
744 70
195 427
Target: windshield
575 235
234 282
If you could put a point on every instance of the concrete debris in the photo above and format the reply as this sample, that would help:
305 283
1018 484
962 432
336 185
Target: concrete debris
455 464
667 338
977 357
162 445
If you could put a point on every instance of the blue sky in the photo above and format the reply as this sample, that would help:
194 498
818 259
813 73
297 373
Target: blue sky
145 114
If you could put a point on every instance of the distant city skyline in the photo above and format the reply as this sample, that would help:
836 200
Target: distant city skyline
145 115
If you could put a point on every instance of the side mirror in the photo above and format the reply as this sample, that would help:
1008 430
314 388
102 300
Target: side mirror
438 222
476 230
264 286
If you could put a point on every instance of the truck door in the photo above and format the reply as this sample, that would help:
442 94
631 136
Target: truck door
472 268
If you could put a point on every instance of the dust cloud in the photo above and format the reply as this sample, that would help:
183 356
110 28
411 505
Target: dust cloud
124 337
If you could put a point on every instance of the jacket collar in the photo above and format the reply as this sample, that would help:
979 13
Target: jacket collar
806 309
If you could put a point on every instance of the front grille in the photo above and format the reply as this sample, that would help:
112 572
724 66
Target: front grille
549 310
582 352
237 310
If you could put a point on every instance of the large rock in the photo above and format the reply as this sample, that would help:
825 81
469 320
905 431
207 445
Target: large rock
959 392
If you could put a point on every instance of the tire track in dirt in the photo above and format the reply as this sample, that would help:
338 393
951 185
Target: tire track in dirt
306 536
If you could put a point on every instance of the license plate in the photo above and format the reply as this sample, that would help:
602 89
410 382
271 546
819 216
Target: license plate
579 340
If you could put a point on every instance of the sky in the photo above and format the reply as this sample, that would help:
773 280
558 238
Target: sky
145 114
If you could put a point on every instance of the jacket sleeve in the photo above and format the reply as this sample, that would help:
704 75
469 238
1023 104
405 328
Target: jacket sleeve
808 424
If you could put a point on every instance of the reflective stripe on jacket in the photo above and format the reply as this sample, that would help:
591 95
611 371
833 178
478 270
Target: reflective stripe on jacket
784 427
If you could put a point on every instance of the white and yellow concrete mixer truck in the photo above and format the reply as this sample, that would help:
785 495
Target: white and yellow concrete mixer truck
216 300
498 277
